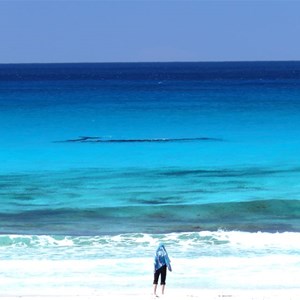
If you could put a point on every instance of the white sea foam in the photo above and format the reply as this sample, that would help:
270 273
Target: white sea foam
265 272
200 260
189 242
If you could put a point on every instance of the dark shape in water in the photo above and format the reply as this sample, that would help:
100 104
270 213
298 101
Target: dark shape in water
89 139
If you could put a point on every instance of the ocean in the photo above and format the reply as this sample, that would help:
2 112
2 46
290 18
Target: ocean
102 162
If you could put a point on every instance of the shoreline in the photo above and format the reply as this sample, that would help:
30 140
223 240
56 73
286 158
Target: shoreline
237 294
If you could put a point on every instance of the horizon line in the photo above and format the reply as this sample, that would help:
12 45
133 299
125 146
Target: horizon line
146 62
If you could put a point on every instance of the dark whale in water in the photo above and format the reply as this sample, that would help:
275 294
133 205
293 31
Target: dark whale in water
91 139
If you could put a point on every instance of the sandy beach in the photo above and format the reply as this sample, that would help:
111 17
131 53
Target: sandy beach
282 294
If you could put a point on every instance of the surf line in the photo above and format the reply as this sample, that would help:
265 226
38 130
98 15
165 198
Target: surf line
95 139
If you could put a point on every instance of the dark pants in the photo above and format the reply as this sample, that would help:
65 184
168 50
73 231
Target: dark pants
162 272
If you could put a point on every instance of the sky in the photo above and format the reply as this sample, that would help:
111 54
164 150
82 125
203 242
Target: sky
59 31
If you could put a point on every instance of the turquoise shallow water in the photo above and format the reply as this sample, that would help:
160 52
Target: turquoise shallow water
100 162
164 200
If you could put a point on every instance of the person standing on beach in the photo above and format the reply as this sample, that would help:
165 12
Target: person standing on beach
161 263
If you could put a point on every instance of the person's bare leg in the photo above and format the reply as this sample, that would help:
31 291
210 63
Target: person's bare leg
154 289
162 289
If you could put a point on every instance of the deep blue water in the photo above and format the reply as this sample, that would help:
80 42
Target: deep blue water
163 136
113 158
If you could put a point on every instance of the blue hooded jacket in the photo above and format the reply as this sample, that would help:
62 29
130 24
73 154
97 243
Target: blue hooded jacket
161 258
